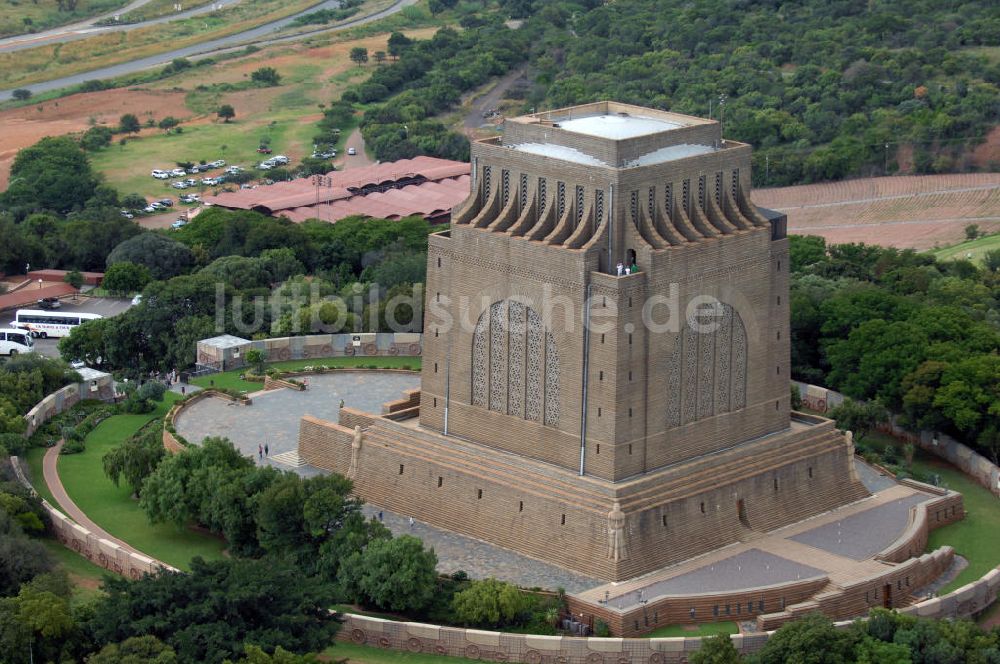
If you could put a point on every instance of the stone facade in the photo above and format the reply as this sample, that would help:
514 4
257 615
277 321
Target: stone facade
555 391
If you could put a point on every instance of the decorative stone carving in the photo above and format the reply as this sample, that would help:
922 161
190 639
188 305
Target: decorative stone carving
674 383
551 381
533 391
689 392
706 377
480 359
617 545
352 471
739 363
498 355
723 358
515 360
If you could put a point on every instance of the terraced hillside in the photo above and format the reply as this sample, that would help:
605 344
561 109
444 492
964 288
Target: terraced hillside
918 212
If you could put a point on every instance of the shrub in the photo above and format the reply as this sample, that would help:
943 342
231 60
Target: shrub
72 447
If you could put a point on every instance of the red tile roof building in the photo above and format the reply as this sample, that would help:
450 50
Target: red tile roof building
424 186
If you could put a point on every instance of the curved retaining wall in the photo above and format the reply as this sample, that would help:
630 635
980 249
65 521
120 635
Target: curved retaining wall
98 550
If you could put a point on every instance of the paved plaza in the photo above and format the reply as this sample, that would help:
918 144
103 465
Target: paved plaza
837 543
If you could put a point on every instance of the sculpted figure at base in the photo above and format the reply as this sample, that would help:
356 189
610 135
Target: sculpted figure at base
617 548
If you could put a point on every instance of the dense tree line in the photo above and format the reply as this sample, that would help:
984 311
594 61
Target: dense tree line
24 381
819 88
920 336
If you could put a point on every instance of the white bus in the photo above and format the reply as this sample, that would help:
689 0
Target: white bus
50 323
15 342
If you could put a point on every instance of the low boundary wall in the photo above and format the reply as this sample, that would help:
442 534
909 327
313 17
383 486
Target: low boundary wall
232 355
97 550
976 466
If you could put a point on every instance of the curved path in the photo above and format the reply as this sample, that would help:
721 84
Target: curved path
213 47
51 476
89 28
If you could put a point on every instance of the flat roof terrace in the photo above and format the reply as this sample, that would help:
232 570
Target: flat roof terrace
618 126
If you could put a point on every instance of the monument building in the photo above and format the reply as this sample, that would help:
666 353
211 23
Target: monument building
605 378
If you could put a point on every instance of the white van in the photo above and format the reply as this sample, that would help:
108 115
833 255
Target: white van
13 342
160 175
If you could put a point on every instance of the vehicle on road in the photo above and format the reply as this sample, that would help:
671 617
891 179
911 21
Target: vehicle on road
15 342
49 303
352 151
44 324
160 175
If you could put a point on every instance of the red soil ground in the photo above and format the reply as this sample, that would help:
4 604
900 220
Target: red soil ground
27 125
917 212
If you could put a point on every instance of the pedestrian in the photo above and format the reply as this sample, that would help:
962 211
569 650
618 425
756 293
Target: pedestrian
621 268
411 522
260 451
341 403
182 390
380 516
267 451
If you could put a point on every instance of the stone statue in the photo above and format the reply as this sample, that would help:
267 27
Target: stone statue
352 472
617 549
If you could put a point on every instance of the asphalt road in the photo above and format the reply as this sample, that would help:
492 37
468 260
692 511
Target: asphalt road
212 47
104 306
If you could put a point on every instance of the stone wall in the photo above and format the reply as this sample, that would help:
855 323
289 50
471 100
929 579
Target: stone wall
98 550
63 399
980 469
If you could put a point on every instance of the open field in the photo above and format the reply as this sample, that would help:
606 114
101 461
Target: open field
917 212
15 15
114 509
57 60
973 250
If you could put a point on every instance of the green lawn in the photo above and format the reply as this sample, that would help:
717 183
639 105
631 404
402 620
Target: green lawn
977 537
703 629
356 654
113 508
231 379
33 460
975 247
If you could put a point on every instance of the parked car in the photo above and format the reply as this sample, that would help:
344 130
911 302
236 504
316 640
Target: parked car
190 198
191 182
279 159
77 364
178 224
352 151
178 172
127 214
218 163
180 184
137 299
265 165
160 175
156 205
149 209
264 149
328 154
210 181
234 169
195 169
49 303
166 202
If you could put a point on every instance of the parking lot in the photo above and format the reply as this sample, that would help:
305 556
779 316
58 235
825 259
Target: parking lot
105 306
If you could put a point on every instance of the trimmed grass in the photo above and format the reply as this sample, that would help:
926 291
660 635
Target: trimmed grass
977 248
114 510
231 379
45 15
976 537
703 629
33 460
356 654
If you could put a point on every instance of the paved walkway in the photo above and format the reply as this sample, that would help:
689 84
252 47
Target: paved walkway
51 476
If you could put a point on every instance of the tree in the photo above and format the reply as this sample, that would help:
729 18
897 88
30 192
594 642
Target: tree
268 603
266 77
135 650
129 124
397 574
134 201
255 360
53 174
972 231
226 112
161 255
21 94
809 639
718 649
96 138
490 603
135 459
21 558
398 42
991 260
256 655
379 57
359 55
169 123
125 277
74 279
859 417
